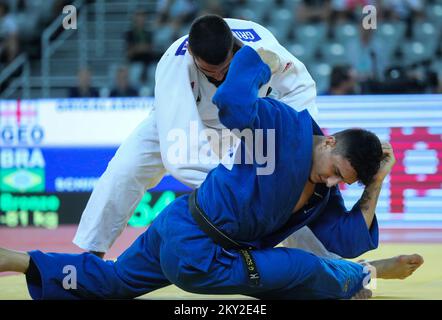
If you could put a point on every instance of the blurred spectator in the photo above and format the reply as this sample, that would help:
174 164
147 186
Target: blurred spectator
405 80
139 40
409 11
176 13
348 10
313 11
343 81
84 88
9 37
140 51
122 87
213 7
367 56
403 9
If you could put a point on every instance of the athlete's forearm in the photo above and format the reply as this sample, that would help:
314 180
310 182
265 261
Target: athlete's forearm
369 200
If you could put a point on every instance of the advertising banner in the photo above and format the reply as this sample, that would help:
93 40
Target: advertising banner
52 153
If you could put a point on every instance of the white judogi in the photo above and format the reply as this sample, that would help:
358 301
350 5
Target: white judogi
183 96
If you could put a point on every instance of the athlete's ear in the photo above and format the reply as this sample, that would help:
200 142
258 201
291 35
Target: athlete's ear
189 50
330 141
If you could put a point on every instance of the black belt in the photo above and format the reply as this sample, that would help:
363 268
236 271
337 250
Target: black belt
222 239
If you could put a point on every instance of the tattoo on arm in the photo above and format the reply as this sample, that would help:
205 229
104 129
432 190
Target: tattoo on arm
369 201
365 198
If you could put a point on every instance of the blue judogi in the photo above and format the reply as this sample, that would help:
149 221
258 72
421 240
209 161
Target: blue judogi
255 210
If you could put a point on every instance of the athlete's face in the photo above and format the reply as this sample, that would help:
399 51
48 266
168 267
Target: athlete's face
215 73
330 167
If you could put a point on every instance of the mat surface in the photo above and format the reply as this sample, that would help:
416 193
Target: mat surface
425 283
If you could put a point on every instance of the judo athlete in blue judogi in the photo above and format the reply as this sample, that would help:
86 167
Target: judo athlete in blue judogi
221 239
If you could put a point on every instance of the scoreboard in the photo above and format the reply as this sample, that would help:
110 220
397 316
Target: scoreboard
54 150
412 194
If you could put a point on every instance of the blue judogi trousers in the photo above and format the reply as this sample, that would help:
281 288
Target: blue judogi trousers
173 250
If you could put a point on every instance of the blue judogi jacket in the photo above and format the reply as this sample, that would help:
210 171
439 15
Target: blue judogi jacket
252 209
257 210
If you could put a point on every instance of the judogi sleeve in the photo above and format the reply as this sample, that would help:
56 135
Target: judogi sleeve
237 98
272 123
292 84
345 232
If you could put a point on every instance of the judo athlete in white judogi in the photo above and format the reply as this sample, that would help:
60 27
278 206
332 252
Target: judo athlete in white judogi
221 238
183 97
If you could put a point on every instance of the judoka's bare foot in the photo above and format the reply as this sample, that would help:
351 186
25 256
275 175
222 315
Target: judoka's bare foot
363 294
399 267
13 261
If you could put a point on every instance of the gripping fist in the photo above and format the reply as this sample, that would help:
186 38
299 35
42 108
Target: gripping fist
271 59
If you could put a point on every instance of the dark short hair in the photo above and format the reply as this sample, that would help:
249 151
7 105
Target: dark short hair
210 39
362 149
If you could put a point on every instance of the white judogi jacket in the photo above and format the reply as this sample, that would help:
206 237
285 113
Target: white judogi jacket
183 98
183 95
